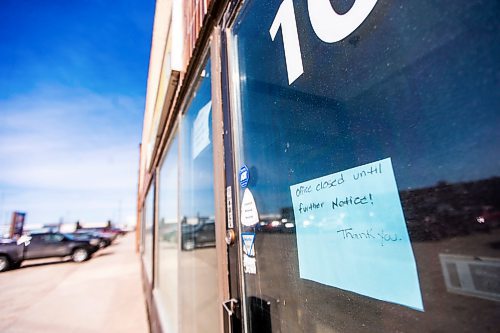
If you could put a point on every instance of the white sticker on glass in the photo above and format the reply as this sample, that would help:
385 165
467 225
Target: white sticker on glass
285 18
229 207
327 24
248 240
249 264
249 213
332 27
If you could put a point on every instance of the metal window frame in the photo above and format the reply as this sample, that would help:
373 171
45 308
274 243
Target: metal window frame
233 73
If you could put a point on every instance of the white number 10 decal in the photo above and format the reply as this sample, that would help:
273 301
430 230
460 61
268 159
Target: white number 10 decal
328 25
285 17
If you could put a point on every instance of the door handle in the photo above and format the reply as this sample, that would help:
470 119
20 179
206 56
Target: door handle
230 306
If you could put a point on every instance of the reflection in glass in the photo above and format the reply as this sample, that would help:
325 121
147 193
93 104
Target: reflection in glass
197 258
168 236
148 231
411 84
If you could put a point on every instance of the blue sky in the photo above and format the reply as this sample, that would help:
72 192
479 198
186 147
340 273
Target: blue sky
72 90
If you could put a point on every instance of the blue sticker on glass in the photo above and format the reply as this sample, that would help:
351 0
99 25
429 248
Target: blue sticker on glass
351 234
244 175
248 239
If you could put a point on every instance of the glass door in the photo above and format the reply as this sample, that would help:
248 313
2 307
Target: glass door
366 159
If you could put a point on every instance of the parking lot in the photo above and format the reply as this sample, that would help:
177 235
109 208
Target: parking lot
53 295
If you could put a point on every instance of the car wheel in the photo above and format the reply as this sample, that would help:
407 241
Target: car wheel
189 244
80 255
4 263
16 265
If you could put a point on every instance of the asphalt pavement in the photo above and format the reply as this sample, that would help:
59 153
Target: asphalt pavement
100 295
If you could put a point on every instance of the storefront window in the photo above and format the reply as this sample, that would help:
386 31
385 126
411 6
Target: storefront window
148 232
197 256
168 234
401 119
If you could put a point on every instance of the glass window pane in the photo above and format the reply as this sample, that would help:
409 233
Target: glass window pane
148 232
198 261
417 83
168 230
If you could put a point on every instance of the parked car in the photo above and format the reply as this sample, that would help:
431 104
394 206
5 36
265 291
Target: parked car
119 231
102 231
105 240
198 235
45 245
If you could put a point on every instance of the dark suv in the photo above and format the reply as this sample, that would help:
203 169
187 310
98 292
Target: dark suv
45 245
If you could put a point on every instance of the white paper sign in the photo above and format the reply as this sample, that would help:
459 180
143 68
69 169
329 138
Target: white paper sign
201 130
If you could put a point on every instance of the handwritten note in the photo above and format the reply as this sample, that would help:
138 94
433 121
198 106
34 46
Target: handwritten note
351 234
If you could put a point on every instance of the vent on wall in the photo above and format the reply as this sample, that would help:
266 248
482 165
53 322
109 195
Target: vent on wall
471 276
